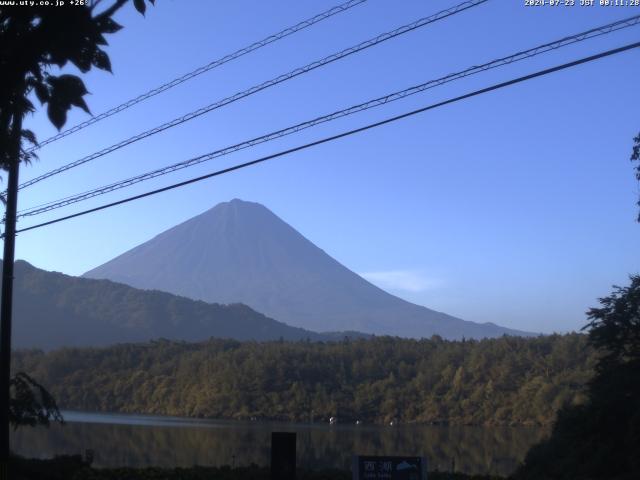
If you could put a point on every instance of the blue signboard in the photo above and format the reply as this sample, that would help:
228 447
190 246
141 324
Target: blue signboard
389 468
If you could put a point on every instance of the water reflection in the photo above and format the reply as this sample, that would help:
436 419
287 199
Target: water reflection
136 440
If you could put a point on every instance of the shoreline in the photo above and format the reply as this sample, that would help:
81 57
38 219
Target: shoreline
160 420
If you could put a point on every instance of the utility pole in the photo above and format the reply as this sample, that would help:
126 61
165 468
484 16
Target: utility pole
6 305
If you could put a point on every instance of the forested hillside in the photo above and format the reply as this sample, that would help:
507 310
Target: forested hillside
54 310
507 381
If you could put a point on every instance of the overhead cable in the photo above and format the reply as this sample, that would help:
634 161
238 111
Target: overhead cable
257 88
538 50
203 69
514 81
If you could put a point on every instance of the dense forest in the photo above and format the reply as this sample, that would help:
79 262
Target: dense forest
505 381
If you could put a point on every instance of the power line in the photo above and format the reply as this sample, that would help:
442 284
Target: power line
270 83
203 69
579 37
521 79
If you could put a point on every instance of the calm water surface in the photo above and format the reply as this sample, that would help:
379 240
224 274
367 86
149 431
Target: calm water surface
143 440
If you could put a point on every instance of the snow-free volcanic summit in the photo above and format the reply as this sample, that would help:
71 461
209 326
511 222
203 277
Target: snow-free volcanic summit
241 252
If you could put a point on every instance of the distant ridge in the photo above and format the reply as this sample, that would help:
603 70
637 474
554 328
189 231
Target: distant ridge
53 310
240 251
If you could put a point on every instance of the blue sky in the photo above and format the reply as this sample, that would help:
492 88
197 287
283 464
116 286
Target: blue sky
516 207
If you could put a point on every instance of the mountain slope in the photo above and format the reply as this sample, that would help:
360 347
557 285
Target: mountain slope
53 310
241 252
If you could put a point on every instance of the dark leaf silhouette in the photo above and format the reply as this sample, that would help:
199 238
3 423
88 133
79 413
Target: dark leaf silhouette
67 86
29 136
31 404
66 90
101 60
107 25
140 6
41 37
42 92
57 114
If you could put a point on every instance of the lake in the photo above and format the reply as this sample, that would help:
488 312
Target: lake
144 440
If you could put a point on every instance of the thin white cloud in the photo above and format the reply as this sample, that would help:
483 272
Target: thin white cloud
407 280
